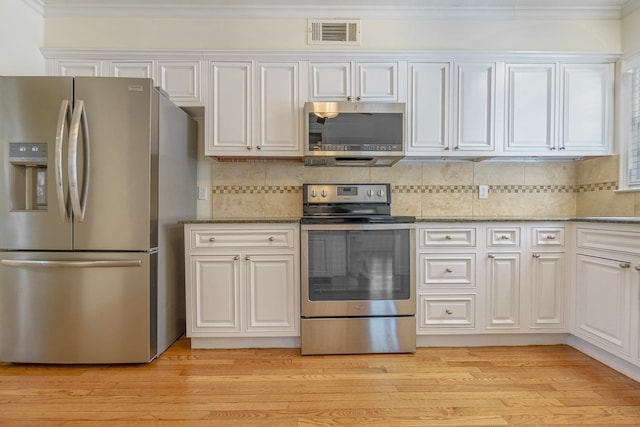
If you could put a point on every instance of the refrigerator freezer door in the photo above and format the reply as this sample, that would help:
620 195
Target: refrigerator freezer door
30 214
121 204
77 308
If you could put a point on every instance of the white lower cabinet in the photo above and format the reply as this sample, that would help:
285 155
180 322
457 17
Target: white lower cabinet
492 278
242 280
607 289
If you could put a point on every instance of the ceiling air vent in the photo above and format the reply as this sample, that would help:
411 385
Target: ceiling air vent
334 32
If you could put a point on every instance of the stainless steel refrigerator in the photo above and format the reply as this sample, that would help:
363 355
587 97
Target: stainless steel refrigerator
95 175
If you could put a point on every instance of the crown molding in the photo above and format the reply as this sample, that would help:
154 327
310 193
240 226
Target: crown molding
372 9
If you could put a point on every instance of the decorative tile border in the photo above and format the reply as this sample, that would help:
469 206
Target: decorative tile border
257 189
430 189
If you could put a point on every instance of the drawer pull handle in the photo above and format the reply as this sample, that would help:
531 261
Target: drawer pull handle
625 265
449 312
271 239
447 237
551 237
504 237
212 239
237 257
448 270
536 255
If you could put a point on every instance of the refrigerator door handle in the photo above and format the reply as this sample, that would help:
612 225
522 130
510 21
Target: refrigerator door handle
64 118
78 122
72 264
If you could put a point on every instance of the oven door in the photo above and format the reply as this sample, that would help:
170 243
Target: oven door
357 270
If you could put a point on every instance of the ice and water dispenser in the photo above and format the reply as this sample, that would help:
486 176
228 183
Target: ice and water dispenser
28 176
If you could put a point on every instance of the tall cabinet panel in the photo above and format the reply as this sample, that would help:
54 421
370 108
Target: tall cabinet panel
587 91
230 106
428 107
279 107
530 107
475 106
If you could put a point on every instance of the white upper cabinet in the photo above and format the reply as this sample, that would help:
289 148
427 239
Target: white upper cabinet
182 81
586 115
531 107
132 69
353 81
428 108
475 106
84 68
255 109
230 112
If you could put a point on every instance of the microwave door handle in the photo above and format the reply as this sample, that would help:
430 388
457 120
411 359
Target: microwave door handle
78 122
64 119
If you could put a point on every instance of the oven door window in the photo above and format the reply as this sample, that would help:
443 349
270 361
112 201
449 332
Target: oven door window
359 265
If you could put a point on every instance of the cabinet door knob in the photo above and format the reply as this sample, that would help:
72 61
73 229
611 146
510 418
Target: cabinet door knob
504 237
271 239
551 237
237 257
247 257
625 265
536 255
447 237
491 256
259 147
212 239
448 311
638 267
348 98
448 270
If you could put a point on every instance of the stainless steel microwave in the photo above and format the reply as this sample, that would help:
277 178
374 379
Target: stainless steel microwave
354 133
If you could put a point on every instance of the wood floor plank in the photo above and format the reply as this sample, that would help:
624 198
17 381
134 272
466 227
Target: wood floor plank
480 386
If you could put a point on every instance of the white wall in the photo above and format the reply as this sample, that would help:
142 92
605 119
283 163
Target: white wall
630 33
21 37
290 34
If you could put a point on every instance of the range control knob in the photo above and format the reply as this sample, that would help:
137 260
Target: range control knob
314 193
324 193
370 193
380 193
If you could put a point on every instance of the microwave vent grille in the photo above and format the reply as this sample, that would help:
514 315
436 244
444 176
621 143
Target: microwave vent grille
334 32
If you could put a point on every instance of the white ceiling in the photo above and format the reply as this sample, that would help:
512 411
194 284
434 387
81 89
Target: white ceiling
373 9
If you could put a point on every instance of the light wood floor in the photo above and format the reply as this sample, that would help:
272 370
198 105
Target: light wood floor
487 386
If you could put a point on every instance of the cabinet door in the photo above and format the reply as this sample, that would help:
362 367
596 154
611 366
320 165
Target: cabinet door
603 302
475 109
547 290
272 295
278 108
587 92
79 68
230 108
530 107
330 81
377 81
181 80
503 290
132 69
214 294
429 100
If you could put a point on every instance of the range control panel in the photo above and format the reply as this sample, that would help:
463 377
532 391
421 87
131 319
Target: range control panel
346 193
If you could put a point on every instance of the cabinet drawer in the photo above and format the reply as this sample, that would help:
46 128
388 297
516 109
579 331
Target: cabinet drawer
447 311
447 237
611 240
544 237
447 270
503 237
242 237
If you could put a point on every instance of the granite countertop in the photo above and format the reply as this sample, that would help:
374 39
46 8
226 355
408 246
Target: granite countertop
603 219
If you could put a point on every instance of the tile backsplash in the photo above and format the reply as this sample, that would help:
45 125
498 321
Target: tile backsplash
267 189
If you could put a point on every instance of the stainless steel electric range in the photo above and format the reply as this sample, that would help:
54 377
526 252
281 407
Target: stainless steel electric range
358 281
